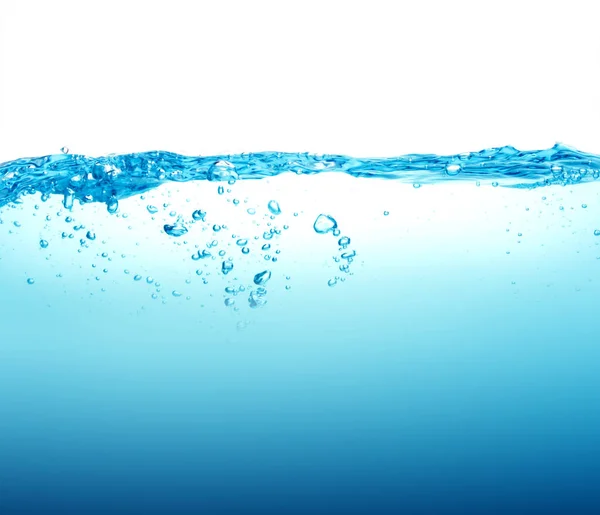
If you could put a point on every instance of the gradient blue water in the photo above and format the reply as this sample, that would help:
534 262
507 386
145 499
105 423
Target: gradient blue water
449 366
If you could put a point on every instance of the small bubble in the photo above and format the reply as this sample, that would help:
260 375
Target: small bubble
216 228
385 213
175 293
220 190
68 199
416 185
344 241
273 207
137 277
44 244
90 235
584 206
241 242
229 301
266 246
177 229
495 184
199 215
65 150
112 206
152 209
597 232
226 267
251 211
31 280
331 283
149 280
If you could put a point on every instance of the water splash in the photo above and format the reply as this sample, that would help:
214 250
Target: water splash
110 178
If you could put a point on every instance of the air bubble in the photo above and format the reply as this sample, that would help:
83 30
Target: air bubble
262 277
199 215
274 208
453 169
222 171
177 229
324 224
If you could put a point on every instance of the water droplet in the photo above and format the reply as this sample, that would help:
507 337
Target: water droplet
149 280
453 169
64 150
199 215
241 242
216 228
90 235
331 283
251 211
262 277
324 224
44 244
416 185
385 213
495 184
222 171
226 267
31 280
348 255
220 190
597 232
177 229
229 301
137 277
152 209
245 250
175 293
584 206
274 208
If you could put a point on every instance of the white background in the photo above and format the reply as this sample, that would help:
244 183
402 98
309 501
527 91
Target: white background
364 78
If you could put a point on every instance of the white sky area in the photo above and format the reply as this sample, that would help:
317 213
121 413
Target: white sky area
376 78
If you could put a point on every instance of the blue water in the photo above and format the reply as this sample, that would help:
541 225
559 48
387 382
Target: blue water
413 335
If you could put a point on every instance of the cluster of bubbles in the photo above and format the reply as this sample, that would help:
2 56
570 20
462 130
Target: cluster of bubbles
326 224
